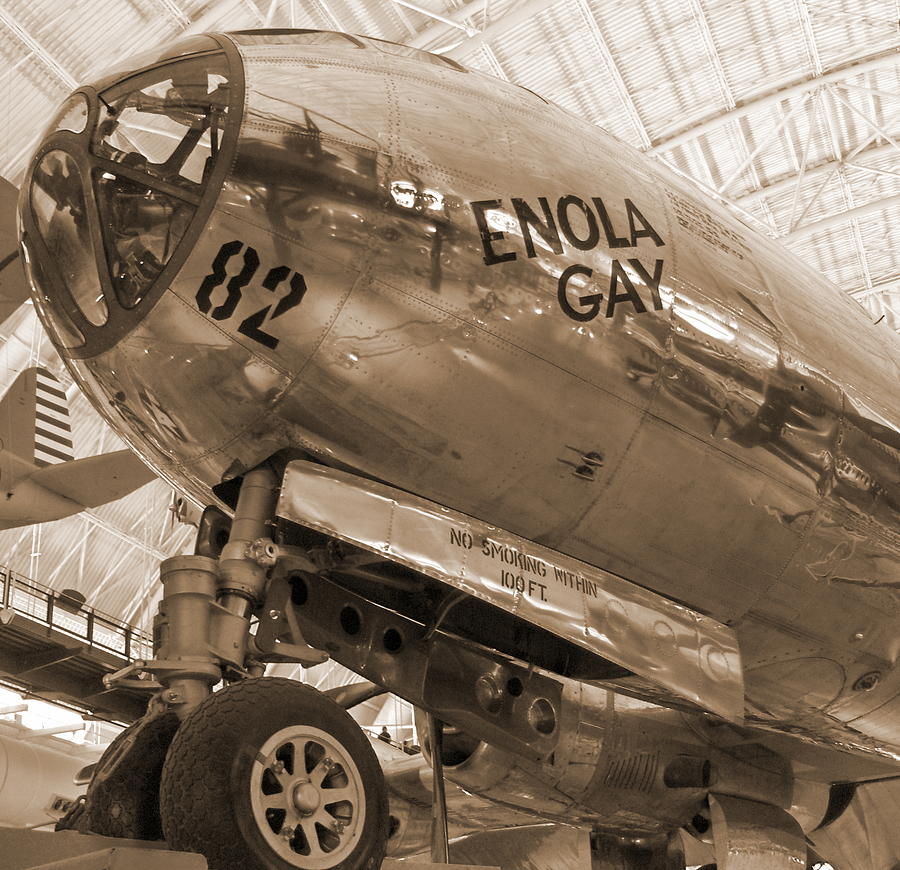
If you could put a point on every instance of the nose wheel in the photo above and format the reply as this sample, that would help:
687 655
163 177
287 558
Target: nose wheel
308 797
269 774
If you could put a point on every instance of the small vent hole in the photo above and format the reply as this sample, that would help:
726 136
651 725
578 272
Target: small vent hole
350 619
392 640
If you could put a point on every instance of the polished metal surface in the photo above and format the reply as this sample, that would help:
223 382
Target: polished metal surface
754 836
866 836
607 773
442 281
533 847
685 653
409 785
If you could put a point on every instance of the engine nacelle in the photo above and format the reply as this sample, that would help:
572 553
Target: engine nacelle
639 768
622 766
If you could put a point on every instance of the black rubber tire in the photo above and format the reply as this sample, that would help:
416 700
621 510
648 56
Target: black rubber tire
205 795
124 801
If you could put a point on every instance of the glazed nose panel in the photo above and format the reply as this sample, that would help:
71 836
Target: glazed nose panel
119 190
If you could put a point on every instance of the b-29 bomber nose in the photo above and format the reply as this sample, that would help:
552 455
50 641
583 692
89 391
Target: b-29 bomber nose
122 181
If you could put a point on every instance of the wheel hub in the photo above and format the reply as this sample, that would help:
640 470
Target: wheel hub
306 798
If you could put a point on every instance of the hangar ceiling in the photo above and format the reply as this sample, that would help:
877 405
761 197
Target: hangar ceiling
788 111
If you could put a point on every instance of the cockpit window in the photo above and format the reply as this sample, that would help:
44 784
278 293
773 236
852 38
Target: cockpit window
141 228
126 174
59 324
157 139
60 210
168 122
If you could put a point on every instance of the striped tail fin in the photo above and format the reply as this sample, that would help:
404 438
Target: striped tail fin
52 430
34 426
39 479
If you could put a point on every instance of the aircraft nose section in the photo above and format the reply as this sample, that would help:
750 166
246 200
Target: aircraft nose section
125 175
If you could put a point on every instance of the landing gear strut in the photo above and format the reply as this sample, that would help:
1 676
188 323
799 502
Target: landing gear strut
265 774
440 840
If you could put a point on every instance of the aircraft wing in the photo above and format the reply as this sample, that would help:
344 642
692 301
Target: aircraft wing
41 480
671 654
95 480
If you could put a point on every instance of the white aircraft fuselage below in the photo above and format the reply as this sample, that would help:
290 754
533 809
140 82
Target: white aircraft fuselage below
400 268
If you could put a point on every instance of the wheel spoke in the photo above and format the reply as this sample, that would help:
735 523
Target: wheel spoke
323 817
277 801
285 780
299 744
312 837
335 795
318 773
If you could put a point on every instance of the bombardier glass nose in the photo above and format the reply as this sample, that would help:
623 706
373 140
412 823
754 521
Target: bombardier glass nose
116 185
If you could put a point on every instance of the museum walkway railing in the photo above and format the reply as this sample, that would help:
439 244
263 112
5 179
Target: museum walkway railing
64 614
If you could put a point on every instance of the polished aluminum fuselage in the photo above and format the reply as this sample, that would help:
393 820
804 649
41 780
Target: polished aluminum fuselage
722 426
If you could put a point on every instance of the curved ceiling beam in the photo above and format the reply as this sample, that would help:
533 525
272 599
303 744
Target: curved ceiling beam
91 516
438 30
175 11
450 22
885 286
891 57
876 205
212 18
25 37
819 170
502 25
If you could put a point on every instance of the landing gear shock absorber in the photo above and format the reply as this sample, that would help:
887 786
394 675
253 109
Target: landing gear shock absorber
195 637
203 621
265 774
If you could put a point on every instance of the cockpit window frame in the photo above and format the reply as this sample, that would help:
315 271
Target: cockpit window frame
86 191
128 85
78 145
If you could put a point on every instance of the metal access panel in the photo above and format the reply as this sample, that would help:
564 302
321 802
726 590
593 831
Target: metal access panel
683 653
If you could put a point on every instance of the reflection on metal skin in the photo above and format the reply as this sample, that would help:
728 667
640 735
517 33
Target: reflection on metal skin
535 847
502 310
612 767
679 650
754 836
866 835
409 785
607 771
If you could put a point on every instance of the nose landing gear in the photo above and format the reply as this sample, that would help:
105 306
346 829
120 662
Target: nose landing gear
264 774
